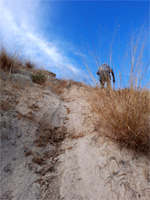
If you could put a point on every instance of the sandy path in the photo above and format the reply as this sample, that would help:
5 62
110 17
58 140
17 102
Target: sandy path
94 168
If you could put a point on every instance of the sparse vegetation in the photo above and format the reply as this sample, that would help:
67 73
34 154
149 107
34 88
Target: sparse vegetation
62 84
48 134
38 160
11 61
38 78
5 105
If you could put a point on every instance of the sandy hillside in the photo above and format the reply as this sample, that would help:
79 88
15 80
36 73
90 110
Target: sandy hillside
52 150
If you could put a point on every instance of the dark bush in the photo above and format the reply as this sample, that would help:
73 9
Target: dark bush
38 78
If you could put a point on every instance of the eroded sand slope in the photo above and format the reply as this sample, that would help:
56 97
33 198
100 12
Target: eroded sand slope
79 164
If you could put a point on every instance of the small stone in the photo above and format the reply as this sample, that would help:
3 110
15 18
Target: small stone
13 142
14 158
6 149
18 134
7 169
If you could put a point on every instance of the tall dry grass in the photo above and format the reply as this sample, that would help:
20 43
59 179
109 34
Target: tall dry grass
124 116
9 61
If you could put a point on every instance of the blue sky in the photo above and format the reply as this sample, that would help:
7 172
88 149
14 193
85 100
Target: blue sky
59 35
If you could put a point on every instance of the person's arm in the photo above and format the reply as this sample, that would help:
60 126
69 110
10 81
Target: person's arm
113 75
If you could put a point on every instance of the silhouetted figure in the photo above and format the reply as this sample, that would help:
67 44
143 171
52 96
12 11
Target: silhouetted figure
104 73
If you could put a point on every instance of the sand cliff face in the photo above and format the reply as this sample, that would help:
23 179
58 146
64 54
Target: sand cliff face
51 149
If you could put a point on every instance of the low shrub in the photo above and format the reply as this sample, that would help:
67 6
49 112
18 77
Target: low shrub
38 78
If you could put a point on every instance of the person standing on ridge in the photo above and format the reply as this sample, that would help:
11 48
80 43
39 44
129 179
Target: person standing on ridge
104 72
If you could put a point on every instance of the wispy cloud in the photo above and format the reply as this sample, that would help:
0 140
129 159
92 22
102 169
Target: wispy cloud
20 30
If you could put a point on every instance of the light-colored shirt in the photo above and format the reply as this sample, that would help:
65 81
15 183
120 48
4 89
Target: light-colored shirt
104 67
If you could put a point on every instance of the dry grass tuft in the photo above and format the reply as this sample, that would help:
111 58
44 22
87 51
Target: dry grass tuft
38 160
9 62
5 105
60 86
29 65
48 134
75 136
66 84
124 116
28 153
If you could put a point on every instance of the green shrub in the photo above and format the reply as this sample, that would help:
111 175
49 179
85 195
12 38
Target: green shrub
38 78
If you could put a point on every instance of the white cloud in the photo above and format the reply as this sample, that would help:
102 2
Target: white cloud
20 29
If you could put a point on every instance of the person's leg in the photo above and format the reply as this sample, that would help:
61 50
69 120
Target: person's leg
102 79
108 81
102 83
